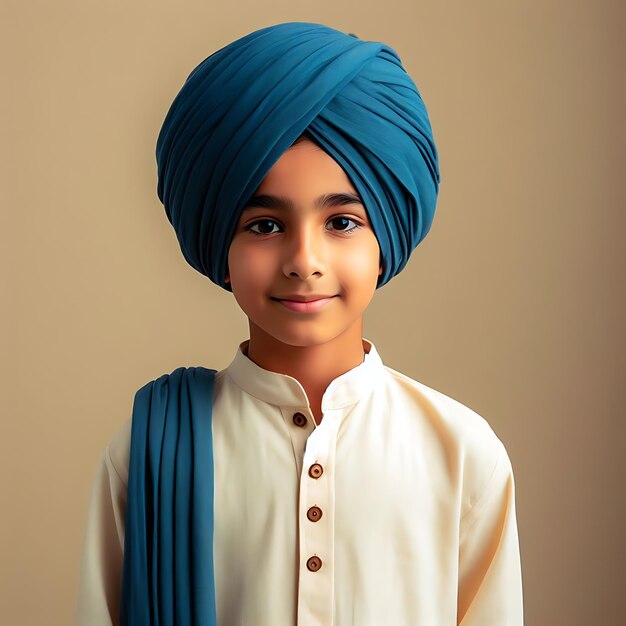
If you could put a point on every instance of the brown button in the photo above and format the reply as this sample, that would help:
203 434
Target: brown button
314 563
316 470
299 419
314 513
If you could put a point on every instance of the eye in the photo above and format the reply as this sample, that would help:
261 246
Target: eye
343 219
254 232
338 220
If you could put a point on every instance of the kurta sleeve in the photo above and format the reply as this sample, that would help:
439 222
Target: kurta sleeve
100 581
490 579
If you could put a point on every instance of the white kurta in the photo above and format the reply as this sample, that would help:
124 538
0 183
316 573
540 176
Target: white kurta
397 509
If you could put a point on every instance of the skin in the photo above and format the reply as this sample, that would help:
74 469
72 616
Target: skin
305 250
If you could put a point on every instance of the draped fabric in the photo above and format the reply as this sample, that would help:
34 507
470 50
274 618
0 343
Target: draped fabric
168 575
244 105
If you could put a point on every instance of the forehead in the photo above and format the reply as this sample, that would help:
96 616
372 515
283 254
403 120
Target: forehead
306 169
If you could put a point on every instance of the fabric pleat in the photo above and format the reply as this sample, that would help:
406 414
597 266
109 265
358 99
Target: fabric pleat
168 576
244 105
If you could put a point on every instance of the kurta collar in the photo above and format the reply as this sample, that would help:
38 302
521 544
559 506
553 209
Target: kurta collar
284 390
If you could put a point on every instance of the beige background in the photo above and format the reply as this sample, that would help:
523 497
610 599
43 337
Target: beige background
511 304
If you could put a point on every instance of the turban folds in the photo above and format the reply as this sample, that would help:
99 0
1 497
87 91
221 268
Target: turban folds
243 107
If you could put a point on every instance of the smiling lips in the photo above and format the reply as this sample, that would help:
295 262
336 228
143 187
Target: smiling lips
310 306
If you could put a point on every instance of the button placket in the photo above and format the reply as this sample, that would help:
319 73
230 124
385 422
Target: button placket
316 524
299 425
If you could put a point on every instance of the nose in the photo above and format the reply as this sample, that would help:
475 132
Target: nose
304 252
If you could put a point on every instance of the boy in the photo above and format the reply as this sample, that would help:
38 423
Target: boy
298 168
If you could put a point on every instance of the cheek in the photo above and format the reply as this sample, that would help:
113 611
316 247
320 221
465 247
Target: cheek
362 262
238 258
247 265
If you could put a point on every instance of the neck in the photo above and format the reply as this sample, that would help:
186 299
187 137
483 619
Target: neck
313 365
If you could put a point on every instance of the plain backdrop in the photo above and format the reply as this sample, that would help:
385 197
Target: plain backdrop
512 304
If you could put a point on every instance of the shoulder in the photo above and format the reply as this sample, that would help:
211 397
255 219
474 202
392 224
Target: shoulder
117 453
178 377
476 456
453 418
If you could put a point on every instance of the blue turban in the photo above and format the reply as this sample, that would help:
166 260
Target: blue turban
244 106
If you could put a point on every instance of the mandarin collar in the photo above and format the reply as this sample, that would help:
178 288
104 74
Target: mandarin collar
284 390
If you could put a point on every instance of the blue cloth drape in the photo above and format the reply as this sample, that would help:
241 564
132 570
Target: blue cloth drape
168 576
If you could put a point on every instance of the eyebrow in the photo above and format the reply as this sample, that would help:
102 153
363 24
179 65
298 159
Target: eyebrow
265 201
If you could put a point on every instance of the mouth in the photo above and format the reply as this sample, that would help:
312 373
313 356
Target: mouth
311 306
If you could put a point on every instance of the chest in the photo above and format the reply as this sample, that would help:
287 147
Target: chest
359 523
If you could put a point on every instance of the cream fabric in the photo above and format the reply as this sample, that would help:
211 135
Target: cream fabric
417 496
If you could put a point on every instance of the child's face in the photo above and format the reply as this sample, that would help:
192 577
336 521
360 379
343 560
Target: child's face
305 251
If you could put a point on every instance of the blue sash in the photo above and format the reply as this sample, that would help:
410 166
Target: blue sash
168 577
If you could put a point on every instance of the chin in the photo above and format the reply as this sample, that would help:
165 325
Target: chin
301 338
